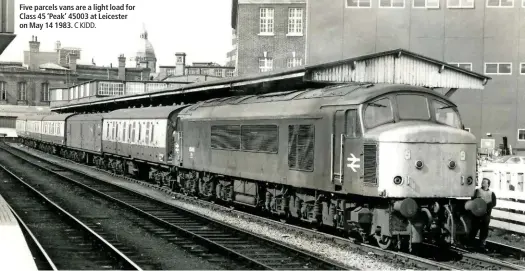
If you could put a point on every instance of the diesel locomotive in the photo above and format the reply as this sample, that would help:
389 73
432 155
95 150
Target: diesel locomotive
385 162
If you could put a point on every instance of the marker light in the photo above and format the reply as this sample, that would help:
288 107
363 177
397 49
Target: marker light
419 164
470 180
398 180
451 164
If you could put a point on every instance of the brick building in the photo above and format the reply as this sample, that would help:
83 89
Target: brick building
269 35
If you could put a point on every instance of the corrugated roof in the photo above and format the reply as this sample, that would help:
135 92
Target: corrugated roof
159 112
395 66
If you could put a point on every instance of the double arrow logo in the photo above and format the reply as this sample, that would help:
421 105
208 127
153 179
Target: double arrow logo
354 162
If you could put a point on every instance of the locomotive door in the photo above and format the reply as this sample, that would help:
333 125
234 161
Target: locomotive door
353 147
177 144
348 145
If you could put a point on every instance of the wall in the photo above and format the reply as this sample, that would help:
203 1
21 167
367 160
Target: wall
251 46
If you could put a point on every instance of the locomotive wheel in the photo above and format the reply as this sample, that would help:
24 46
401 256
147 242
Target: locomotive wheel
384 242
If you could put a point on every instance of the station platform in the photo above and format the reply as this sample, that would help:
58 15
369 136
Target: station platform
14 252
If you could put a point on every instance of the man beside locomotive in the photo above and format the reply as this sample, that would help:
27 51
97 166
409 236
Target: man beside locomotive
482 223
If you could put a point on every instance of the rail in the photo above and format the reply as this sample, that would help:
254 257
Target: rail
260 252
118 257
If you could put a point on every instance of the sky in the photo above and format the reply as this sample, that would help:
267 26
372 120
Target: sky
200 28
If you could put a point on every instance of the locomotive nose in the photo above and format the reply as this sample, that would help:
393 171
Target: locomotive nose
425 132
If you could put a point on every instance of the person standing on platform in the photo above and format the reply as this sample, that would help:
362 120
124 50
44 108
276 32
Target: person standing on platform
481 224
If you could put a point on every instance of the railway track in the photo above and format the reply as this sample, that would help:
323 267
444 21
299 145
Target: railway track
62 240
500 256
255 251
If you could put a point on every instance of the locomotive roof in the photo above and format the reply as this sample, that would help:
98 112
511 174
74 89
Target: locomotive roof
57 117
160 112
304 103
81 117
35 117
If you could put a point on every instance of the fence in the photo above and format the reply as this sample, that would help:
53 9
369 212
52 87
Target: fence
507 180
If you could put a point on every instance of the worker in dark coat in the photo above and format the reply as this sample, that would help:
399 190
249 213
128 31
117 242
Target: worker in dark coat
481 224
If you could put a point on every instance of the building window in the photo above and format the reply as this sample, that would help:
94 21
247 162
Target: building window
294 62
266 21
500 3
522 68
358 3
45 94
170 71
218 72
467 129
460 3
22 91
498 68
3 91
265 64
230 73
391 3
295 21
425 4
521 134
466 66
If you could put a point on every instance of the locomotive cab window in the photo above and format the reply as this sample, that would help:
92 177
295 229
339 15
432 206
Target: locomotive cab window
446 114
378 112
412 107
353 127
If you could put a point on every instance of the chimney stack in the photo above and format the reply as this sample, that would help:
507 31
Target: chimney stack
180 63
34 44
122 67
73 62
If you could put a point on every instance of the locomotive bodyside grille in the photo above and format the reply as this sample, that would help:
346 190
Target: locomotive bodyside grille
226 137
370 164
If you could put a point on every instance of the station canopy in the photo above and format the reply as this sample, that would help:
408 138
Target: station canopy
395 67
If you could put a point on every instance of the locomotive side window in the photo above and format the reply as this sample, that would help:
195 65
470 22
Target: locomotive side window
301 140
378 112
353 129
446 114
412 107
